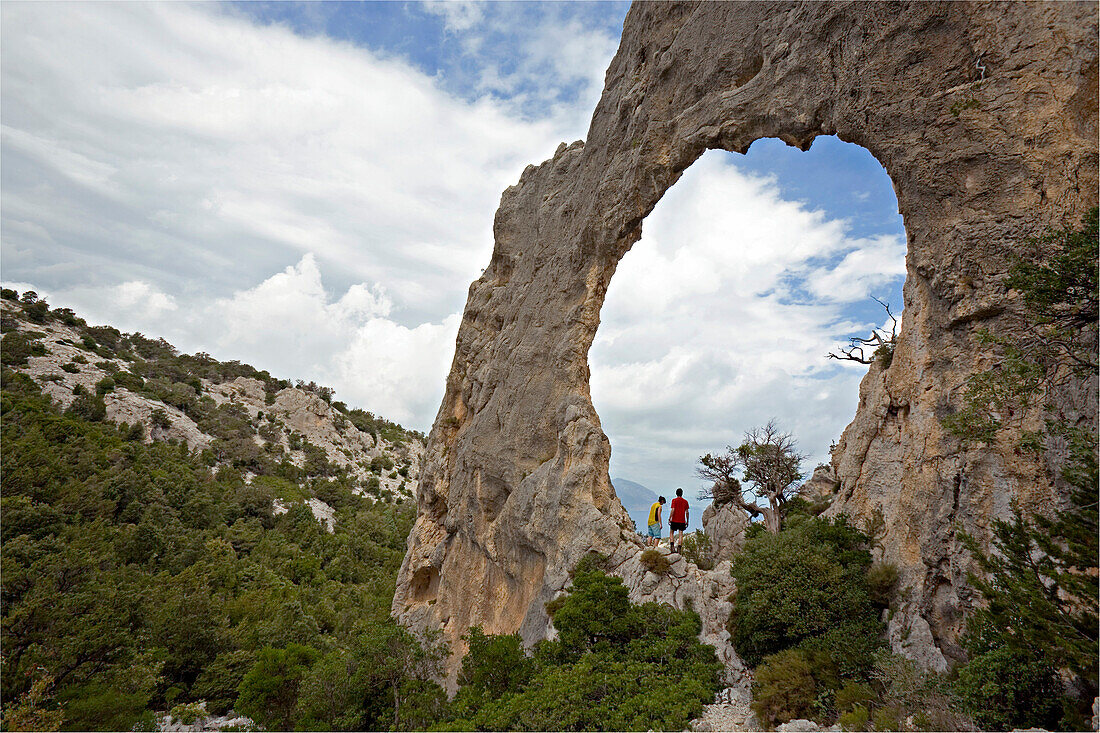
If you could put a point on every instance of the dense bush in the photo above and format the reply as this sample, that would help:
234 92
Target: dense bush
698 549
614 666
784 688
16 348
804 616
806 586
1007 688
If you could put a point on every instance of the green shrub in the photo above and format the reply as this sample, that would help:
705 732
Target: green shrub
88 407
882 577
553 605
697 550
592 562
129 381
16 348
70 368
614 666
80 359
886 718
884 355
269 691
655 562
494 665
855 719
852 694
378 464
187 713
783 688
104 386
37 312
806 586
1007 688
160 419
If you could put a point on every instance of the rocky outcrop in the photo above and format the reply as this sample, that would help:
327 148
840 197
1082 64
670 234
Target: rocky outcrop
725 526
985 117
821 486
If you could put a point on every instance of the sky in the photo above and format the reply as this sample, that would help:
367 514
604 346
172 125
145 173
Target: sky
310 188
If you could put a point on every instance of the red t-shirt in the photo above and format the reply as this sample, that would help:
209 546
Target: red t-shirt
679 510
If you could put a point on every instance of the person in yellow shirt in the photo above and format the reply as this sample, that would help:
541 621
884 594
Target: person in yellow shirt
655 523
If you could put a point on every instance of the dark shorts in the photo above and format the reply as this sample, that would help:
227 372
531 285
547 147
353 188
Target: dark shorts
677 526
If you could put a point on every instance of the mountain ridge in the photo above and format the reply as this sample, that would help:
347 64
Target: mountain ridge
237 416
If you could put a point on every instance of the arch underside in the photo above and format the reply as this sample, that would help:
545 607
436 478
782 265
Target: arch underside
515 489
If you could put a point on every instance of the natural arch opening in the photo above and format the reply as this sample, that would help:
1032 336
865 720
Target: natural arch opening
750 269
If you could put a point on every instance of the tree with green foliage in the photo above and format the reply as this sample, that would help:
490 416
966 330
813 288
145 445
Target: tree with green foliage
269 691
494 665
17 347
803 615
806 587
769 466
134 578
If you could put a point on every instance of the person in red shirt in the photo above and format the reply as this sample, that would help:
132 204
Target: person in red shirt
678 521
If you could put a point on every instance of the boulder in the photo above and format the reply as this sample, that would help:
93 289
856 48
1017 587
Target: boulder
725 526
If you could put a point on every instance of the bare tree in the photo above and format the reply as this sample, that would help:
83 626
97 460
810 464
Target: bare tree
877 343
768 463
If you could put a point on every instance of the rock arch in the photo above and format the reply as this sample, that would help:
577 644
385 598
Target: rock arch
985 117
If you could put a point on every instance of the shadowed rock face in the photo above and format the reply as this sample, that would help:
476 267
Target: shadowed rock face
514 488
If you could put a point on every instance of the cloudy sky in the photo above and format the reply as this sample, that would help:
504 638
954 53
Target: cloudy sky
311 188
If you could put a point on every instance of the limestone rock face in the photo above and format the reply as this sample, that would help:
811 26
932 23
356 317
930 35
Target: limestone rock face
821 486
985 117
725 526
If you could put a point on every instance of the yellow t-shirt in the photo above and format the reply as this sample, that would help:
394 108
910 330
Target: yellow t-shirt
653 511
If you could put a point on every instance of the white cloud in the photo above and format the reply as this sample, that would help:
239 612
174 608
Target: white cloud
175 144
873 263
705 332
140 296
165 162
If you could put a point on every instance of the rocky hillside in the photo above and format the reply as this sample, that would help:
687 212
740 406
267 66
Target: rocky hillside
294 438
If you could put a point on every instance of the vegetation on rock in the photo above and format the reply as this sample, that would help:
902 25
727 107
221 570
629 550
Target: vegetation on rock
1039 583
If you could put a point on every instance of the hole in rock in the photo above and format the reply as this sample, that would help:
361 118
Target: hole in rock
750 269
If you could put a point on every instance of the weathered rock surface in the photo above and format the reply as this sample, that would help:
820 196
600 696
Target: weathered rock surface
821 486
725 526
985 117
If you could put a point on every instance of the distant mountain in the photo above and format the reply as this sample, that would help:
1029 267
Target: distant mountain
637 499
